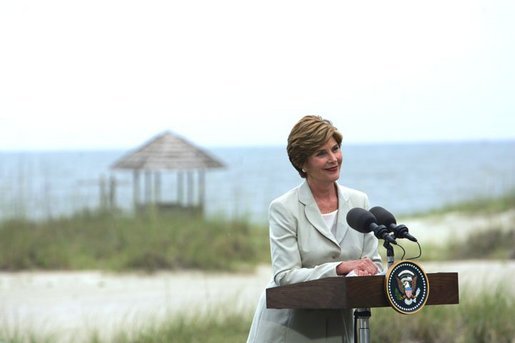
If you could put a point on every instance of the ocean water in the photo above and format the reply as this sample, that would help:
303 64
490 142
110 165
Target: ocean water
403 178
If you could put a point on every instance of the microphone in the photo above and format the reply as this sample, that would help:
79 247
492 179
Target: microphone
387 219
363 221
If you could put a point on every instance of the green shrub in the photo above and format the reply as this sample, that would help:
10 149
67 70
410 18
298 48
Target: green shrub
484 317
149 241
488 244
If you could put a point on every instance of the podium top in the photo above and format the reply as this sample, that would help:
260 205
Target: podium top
354 292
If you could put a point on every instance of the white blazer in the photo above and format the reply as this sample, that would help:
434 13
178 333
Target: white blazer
303 248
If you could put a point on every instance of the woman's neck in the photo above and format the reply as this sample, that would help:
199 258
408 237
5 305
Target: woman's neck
326 196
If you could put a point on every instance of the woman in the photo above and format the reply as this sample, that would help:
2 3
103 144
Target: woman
310 239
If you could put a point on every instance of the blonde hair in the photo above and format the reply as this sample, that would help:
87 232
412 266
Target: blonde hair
307 136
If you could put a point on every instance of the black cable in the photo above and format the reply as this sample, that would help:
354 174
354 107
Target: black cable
419 252
403 250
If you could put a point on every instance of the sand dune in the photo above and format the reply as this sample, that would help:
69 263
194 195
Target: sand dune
74 303
440 228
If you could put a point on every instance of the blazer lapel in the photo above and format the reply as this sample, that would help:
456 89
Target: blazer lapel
344 206
313 213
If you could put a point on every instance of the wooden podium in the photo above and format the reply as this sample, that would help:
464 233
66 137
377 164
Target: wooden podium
355 292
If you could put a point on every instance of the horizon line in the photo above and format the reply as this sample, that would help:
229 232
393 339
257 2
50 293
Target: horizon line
265 145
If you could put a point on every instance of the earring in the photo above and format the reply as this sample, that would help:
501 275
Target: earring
303 170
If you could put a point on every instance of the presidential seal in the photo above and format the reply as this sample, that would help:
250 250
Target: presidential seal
406 287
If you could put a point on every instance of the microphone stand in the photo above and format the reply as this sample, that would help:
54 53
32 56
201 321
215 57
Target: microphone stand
362 315
389 253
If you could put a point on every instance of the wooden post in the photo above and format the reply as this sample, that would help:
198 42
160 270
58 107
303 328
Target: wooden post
148 187
157 187
180 187
102 191
135 193
190 188
201 188
112 192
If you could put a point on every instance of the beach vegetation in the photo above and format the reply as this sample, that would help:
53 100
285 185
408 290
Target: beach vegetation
480 317
153 240
493 243
480 205
148 241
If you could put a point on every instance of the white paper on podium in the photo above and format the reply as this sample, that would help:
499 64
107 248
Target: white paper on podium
353 273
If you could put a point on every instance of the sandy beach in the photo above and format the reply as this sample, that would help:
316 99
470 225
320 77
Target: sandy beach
80 302
75 303
454 226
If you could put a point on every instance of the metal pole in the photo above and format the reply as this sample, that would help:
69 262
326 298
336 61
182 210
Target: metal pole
362 315
362 329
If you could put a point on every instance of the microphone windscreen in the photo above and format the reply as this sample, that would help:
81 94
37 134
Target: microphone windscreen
383 216
360 219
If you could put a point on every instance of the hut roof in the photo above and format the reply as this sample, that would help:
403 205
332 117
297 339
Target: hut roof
167 152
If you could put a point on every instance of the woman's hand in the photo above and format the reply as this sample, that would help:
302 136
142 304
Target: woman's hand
363 267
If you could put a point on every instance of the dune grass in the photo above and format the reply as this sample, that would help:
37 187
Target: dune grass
489 244
114 241
483 317
487 317
156 240
230 328
492 242
495 243
479 205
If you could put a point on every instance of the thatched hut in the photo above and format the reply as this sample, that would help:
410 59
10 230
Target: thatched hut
168 153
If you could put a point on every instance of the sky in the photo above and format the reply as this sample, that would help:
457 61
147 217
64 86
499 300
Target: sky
111 74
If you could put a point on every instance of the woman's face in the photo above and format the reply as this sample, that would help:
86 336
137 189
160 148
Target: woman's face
324 165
